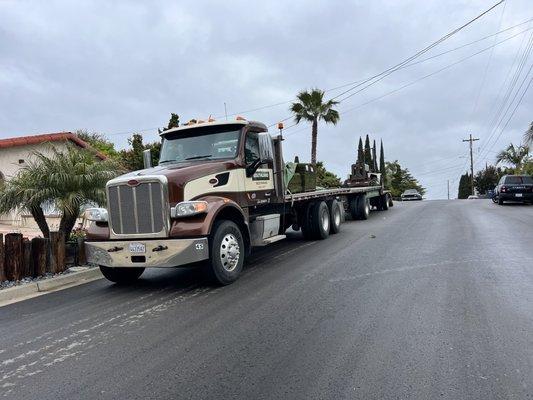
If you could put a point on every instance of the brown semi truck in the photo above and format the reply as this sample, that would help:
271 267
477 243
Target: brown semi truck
219 190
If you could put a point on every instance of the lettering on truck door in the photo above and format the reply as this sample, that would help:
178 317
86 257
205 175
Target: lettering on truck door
259 187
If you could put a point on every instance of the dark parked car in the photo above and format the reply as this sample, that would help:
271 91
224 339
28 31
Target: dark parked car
411 194
515 188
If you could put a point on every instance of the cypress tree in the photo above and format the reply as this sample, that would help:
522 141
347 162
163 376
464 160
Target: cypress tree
368 152
374 158
360 154
382 165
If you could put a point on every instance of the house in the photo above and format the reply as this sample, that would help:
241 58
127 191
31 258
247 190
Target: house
15 152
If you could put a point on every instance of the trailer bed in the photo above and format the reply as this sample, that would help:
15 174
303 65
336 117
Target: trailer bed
294 197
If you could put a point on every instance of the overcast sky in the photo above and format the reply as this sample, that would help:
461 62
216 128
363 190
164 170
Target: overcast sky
119 67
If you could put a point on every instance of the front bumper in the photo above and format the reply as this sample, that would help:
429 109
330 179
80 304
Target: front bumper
158 253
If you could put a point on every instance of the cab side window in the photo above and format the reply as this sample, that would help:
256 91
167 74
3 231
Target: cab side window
251 147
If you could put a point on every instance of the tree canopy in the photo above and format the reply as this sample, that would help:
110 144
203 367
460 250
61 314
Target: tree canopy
325 178
311 107
400 179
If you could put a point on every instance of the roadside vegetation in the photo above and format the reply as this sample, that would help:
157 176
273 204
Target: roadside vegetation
514 159
64 180
400 179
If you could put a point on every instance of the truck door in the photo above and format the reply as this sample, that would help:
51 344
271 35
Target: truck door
259 187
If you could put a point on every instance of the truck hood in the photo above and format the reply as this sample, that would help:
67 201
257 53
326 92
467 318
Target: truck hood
179 174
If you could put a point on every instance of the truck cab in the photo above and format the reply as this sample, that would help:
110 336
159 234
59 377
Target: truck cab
217 190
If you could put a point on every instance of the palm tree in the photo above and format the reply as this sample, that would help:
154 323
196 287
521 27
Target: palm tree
528 136
68 180
517 156
312 108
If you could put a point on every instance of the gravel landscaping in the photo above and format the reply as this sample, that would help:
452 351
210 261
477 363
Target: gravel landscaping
48 275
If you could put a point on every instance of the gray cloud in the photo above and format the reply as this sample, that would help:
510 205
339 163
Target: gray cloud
124 66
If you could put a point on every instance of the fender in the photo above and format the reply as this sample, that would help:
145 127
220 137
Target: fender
201 225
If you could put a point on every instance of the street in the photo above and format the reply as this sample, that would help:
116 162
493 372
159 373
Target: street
431 299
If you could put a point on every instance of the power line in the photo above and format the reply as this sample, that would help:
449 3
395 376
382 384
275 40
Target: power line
394 68
514 109
500 115
409 83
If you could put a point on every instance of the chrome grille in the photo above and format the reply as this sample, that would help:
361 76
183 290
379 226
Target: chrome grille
137 210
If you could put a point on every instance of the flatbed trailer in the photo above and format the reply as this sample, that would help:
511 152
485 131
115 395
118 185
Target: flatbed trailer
218 192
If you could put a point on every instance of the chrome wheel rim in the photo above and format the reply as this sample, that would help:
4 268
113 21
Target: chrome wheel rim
325 220
367 208
230 252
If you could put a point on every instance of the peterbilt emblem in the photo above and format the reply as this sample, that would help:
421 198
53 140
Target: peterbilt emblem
213 181
133 182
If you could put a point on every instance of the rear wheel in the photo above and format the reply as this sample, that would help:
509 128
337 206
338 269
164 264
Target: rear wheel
226 249
384 202
121 275
335 216
360 207
320 220
304 220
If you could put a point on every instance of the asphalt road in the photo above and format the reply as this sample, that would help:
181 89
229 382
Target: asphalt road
428 300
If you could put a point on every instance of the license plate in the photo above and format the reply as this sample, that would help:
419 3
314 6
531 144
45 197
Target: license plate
518 195
137 248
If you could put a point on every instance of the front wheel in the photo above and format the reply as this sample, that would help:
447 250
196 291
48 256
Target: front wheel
121 275
226 249
500 201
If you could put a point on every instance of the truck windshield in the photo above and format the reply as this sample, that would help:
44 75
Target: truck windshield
200 144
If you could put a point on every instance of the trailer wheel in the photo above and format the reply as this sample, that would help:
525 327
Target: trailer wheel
320 220
122 275
335 216
384 202
362 207
304 220
226 252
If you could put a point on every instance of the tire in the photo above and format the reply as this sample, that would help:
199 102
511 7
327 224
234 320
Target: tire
352 207
384 202
304 220
226 252
320 220
390 201
335 216
121 275
360 209
495 199
500 201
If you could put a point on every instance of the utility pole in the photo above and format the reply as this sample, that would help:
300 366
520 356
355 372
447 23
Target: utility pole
471 140
448 189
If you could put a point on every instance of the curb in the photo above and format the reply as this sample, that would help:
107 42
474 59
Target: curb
17 293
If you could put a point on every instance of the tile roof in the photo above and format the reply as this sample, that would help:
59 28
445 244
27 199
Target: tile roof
46 138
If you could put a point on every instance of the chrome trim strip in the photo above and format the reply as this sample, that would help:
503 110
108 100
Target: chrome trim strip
119 209
135 210
151 206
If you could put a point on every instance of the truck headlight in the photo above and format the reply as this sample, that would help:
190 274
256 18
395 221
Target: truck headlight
97 214
188 208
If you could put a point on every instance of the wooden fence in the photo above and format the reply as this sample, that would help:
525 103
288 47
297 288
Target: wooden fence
21 258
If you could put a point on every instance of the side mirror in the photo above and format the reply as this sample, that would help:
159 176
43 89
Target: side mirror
266 153
147 158
251 168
